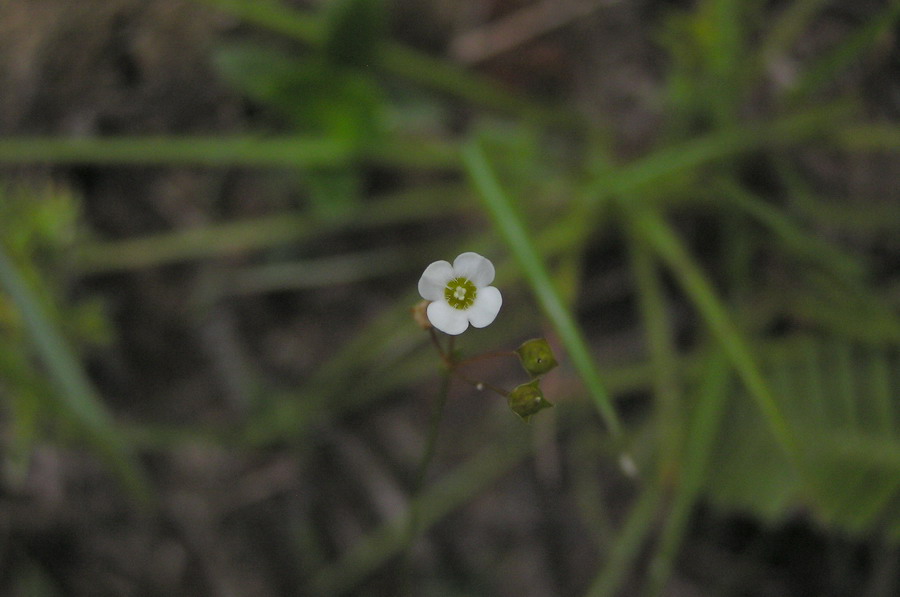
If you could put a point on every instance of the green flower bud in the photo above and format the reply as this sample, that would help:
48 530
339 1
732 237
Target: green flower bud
536 357
527 400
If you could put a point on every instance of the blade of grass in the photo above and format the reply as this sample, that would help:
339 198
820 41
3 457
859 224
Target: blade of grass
242 236
669 249
275 16
811 394
842 373
202 151
877 218
868 137
78 399
588 487
721 144
627 544
725 55
704 426
663 356
787 232
878 377
848 307
305 152
342 269
861 449
520 242
829 66
786 28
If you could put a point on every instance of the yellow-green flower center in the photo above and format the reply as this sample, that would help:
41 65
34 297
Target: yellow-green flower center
460 293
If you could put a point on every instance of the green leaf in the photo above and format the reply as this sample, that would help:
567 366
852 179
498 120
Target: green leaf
844 402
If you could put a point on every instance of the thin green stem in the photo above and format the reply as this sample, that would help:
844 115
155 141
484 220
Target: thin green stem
486 355
437 413
445 357
480 385
627 543
434 424
704 427
663 355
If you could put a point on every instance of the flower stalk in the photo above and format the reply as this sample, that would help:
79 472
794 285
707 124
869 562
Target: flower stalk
458 295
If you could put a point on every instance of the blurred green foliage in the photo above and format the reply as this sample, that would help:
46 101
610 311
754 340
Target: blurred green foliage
38 324
789 399
334 93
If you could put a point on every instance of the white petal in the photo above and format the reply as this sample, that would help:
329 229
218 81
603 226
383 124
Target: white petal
446 318
476 268
434 280
485 308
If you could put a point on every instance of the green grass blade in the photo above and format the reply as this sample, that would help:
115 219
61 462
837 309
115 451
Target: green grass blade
521 243
275 16
627 544
201 151
704 425
663 356
258 151
726 53
828 67
878 379
794 19
788 233
251 234
868 137
876 369
861 449
672 252
721 144
79 400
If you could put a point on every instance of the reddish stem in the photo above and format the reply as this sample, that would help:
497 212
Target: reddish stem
487 355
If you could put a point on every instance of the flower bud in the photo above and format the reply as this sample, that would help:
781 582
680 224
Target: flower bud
536 357
527 400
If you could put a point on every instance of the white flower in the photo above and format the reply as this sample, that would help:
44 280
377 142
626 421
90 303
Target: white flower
460 294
